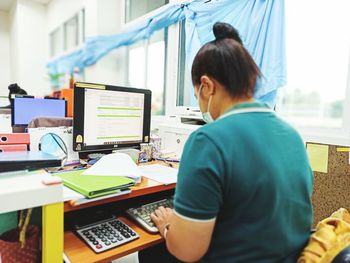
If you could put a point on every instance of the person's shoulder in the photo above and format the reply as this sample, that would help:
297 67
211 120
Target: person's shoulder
207 130
287 125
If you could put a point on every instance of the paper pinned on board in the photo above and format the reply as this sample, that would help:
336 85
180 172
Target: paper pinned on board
318 156
344 149
160 173
115 164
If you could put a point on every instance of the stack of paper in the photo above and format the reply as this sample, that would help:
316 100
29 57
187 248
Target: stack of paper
121 164
115 164
160 173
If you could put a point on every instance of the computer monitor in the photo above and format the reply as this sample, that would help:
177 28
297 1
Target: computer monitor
24 109
110 117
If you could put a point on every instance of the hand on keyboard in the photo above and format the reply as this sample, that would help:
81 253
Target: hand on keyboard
161 217
142 214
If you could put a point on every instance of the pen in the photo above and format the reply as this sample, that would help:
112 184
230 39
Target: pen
168 160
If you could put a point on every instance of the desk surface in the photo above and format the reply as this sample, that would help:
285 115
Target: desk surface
78 251
26 190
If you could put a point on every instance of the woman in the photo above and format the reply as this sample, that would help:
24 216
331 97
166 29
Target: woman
244 184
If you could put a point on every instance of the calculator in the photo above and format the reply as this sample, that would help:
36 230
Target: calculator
107 234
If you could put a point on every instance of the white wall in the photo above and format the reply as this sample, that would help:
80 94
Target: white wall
5 62
111 68
13 26
29 46
102 17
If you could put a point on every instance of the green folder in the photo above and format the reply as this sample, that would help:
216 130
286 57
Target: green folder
94 185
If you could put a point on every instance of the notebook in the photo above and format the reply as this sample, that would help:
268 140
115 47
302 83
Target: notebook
94 185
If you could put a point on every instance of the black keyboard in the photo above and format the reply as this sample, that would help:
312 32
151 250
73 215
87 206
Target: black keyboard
142 214
107 234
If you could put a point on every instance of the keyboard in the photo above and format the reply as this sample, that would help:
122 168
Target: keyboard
107 234
142 214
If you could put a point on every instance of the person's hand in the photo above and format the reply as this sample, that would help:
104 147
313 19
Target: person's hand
161 218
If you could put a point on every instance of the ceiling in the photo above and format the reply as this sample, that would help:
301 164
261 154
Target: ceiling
5 5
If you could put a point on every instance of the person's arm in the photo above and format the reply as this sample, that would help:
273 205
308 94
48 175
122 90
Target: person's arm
186 239
197 200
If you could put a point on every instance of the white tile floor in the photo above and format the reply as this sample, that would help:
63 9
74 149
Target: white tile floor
132 258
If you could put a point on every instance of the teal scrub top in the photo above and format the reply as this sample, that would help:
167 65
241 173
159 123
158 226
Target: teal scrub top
249 171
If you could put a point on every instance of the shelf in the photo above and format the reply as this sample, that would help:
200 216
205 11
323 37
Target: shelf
78 251
147 186
24 191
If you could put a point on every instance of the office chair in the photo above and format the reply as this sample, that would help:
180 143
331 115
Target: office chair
50 122
343 256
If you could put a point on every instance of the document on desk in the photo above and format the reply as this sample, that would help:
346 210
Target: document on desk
159 173
115 164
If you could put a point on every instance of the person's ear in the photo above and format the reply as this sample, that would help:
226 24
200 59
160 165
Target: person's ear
208 86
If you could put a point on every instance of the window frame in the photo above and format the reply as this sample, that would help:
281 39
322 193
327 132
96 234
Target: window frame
80 31
74 18
167 31
336 136
59 31
323 134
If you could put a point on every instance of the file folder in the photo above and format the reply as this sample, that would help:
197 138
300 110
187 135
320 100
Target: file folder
94 185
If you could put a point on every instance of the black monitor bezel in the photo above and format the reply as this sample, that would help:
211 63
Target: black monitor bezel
78 117
31 97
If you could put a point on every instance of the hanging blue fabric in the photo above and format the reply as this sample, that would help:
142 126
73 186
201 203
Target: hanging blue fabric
261 26
97 47
259 22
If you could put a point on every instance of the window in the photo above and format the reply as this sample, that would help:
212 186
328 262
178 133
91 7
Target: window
185 91
56 42
317 53
69 35
146 59
71 32
137 8
146 68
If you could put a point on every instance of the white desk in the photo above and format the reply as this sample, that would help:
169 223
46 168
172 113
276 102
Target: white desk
24 191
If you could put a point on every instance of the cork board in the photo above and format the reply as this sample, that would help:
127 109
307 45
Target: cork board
332 189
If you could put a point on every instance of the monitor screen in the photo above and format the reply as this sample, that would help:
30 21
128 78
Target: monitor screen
24 109
109 117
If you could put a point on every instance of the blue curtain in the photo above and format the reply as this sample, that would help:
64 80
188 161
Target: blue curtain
260 23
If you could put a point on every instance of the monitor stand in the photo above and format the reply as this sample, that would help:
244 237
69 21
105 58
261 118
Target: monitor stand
93 154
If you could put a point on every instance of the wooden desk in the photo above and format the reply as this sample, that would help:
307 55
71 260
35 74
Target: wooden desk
78 251
146 186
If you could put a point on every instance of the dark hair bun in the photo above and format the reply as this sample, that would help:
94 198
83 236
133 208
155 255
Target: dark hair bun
225 30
